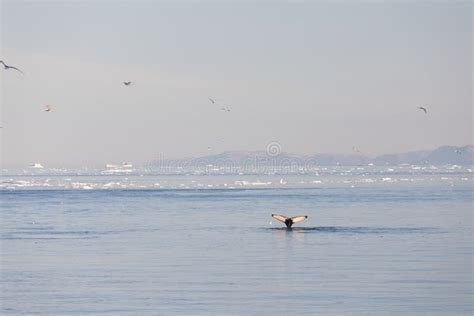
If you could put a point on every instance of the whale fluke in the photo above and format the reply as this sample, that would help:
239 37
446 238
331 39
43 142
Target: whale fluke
288 221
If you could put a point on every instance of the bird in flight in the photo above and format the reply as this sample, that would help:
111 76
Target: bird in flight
127 83
356 150
457 151
48 108
10 67
225 109
423 109
289 220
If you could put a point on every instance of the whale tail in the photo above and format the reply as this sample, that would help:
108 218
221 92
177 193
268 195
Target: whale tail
289 221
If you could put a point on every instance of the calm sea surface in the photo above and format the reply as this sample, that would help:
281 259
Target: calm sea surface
377 242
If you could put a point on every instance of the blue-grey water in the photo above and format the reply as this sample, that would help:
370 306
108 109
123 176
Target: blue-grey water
375 243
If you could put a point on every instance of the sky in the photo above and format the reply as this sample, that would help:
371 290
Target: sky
316 77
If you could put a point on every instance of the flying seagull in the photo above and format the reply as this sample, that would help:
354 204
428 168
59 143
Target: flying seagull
423 109
10 67
289 220
225 109
457 151
48 108
212 100
127 83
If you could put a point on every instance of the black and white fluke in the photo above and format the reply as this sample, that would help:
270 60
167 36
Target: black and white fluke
289 221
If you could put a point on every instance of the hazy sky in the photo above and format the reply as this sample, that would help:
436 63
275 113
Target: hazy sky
314 76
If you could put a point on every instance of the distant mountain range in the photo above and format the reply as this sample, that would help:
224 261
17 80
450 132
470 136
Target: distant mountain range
440 156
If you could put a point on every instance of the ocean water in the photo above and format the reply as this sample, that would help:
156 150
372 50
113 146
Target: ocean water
392 241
